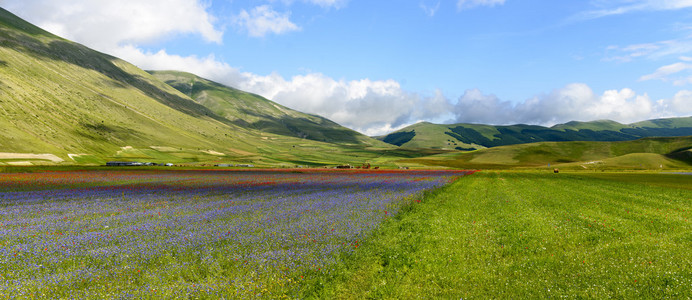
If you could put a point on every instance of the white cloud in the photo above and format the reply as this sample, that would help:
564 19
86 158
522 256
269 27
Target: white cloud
475 107
619 7
107 24
370 106
430 10
328 3
680 104
364 105
573 102
664 73
468 4
322 3
377 107
262 20
207 67
654 50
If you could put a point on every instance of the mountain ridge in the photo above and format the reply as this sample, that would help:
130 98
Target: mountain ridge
651 153
254 111
78 105
469 136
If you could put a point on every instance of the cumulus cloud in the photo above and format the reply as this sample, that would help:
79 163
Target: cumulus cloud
207 67
368 106
107 24
681 104
573 102
262 20
475 107
468 4
373 107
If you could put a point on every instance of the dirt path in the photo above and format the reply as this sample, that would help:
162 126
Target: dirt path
47 156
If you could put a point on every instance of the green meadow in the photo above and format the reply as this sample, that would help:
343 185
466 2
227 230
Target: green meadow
527 235
654 154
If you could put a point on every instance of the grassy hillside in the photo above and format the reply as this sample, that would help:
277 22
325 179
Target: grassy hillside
61 97
76 105
466 136
255 112
647 153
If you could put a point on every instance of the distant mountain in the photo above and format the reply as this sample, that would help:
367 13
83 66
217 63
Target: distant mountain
256 112
647 153
63 102
477 136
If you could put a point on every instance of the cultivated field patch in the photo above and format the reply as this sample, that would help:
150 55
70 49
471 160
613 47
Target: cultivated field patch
531 235
209 234
31 156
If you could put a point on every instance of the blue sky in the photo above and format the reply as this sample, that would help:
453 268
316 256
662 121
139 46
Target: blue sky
376 66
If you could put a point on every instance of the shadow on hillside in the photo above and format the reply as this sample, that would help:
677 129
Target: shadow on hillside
79 55
3 63
84 57
302 128
323 130
682 154
521 134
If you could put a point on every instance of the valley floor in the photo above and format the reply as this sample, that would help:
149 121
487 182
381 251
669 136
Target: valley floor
128 233
530 235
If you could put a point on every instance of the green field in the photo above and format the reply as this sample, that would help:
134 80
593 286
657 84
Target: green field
527 235
662 153
205 234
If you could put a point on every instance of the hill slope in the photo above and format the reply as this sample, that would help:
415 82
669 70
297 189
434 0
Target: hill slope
60 96
77 105
255 112
477 136
646 153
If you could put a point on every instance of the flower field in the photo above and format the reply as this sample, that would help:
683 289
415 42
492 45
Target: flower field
194 233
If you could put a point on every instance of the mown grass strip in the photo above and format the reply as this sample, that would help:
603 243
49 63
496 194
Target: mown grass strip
527 235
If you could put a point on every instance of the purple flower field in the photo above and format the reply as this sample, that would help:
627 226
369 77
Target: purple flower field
170 234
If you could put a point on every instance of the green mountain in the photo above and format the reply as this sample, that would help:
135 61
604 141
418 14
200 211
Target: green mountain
61 102
255 112
647 153
477 136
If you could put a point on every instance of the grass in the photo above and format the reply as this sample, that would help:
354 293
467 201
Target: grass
642 154
188 233
530 235
493 234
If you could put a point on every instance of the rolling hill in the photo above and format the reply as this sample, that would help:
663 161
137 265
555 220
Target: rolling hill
255 112
478 136
647 153
61 102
